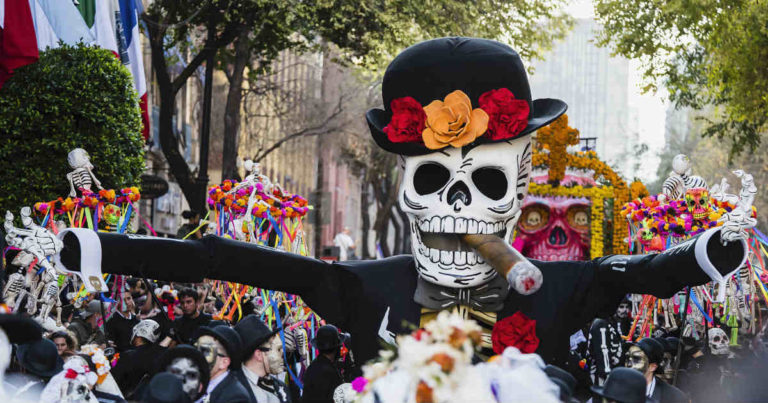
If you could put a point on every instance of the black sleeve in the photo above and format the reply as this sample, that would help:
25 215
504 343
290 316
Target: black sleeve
694 262
217 258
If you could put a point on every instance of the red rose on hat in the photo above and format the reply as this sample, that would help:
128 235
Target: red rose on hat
507 116
515 331
408 121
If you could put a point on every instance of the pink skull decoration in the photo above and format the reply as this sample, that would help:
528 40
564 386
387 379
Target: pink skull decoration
554 228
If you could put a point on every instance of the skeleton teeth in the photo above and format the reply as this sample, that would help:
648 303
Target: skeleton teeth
434 255
471 259
480 260
461 226
424 225
481 228
446 257
471 227
434 225
459 257
448 225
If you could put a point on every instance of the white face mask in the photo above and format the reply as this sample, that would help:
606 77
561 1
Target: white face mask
274 356
188 373
454 191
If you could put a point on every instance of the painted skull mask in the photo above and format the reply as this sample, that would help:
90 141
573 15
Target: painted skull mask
637 359
697 202
469 190
555 228
188 373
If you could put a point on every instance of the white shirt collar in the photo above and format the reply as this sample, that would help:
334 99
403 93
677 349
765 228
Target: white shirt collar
651 386
213 383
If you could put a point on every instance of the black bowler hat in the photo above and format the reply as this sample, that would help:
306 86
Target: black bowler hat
20 329
187 351
327 338
228 338
652 348
165 388
40 358
563 379
672 344
431 70
624 385
253 333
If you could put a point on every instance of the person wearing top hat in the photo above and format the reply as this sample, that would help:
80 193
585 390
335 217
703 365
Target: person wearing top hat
458 113
645 356
221 346
623 385
189 365
323 376
262 360
39 361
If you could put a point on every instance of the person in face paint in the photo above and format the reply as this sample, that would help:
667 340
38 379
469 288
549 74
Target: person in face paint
605 345
262 360
221 346
189 365
645 356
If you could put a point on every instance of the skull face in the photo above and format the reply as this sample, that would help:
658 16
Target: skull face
79 158
472 190
697 202
718 341
188 373
681 164
555 228
637 359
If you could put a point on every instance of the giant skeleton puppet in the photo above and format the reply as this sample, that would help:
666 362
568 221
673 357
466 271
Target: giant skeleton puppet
466 173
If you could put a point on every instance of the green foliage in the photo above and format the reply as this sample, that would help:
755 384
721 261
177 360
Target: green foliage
705 52
74 96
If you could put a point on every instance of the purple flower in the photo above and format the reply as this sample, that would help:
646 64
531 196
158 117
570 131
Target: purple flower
359 383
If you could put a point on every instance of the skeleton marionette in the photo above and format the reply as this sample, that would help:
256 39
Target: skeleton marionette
458 112
82 177
680 179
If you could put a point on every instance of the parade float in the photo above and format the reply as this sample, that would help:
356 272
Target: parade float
685 208
571 208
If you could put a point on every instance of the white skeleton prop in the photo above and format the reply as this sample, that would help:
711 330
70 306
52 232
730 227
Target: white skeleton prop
465 191
718 342
32 239
736 223
13 288
253 176
680 179
82 177
47 293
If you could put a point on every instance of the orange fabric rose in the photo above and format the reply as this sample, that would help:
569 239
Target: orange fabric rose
453 122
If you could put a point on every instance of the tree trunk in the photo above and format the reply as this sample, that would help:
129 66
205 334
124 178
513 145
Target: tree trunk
232 109
386 194
366 224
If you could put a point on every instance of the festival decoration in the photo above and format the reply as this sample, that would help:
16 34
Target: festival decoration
564 217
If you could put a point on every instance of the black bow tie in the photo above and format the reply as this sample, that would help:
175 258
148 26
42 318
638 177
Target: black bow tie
488 297
266 383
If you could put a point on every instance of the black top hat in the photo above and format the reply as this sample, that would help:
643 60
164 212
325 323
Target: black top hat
186 351
165 388
624 385
672 344
327 338
228 338
20 329
652 348
40 358
254 333
431 70
562 379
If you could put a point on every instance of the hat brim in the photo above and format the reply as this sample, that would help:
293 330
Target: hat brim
20 329
313 343
21 356
252 346
600 391
545 111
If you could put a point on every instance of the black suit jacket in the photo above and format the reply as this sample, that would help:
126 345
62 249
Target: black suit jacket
666 393
230 391
375 297
320 381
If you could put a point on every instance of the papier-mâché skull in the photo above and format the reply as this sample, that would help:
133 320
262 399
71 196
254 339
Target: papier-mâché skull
718 341
469 190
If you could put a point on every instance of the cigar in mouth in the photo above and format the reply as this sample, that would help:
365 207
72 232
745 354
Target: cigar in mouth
521 274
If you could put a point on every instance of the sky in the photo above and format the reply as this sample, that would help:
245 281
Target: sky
650 108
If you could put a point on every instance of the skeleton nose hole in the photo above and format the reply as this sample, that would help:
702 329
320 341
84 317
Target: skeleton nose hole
459 191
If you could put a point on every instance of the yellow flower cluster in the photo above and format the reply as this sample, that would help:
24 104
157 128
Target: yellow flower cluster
637 190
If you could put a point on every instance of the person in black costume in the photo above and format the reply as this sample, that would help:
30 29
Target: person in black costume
646 356
382 297
323 375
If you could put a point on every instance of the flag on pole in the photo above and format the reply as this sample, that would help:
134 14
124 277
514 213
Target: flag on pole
129 22
18 46
99 17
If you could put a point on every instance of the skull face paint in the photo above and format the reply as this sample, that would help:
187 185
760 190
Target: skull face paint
555 228
697 202
470 190
189 374
637 359
667 367
274 356
210 348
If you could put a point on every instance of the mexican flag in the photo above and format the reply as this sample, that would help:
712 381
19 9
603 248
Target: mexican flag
17 37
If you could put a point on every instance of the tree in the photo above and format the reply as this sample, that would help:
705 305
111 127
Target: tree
705 52
74 96
250 34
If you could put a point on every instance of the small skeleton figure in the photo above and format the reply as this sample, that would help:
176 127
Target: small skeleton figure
82 177
32 239
680 179
13 287
736 223
48 295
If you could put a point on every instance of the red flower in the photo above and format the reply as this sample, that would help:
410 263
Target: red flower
507 116
408 121
515 331
71 374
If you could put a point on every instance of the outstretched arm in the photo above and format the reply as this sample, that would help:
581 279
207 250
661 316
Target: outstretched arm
212 257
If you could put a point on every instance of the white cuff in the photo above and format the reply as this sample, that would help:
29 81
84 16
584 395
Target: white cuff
90 259
703 260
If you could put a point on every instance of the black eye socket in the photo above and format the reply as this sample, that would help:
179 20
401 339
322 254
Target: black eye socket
491 182
430 177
